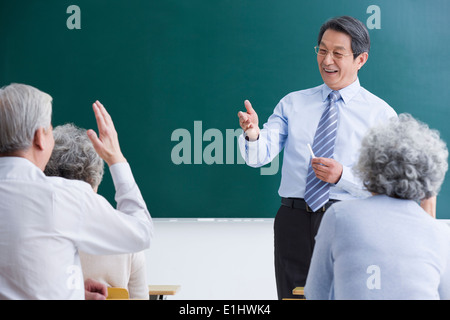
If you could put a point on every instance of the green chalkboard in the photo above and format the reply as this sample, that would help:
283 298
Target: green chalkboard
178 71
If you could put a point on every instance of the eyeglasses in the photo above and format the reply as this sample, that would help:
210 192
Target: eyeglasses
337 55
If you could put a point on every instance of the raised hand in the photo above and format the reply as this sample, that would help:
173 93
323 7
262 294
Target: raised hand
249 121
106 143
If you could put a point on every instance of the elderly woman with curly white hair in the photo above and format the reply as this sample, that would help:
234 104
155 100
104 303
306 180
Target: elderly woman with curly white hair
387 246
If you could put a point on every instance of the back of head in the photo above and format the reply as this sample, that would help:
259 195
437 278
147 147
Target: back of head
23 110
403 159
74 156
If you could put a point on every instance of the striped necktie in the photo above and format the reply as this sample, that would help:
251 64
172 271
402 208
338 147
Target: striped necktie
317 191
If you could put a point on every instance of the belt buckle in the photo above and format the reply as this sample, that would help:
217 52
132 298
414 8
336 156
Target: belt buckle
308 209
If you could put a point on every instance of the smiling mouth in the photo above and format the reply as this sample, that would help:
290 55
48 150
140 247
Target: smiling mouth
330 70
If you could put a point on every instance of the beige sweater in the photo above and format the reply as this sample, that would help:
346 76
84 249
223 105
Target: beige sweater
120 270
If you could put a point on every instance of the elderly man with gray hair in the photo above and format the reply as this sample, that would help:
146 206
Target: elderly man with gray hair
46 220
386 246
74 157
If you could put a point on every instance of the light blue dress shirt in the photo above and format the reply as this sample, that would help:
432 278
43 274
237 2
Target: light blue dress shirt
380 248
293 125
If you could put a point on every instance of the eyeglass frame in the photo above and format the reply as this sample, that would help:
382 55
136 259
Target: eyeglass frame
317 48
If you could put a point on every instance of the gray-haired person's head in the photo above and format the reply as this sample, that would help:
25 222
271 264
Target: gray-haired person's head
74 156
352 27
23 110
403 159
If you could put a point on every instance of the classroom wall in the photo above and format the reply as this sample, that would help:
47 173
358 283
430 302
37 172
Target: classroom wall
215 259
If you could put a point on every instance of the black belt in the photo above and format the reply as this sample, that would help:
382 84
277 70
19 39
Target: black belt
299 203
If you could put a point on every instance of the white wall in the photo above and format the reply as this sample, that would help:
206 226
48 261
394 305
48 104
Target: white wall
214 259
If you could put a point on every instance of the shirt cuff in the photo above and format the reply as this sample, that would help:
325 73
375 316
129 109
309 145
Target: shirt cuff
121 173
351 184
346 179
248 139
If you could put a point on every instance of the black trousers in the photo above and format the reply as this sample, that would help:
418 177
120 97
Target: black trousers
294 231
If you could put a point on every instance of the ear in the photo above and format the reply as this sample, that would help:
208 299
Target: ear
362 59
39 141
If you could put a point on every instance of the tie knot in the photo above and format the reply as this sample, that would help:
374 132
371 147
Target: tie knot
334 96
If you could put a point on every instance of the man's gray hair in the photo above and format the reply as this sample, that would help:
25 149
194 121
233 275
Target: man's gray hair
74 156
23 110
352 27
403 159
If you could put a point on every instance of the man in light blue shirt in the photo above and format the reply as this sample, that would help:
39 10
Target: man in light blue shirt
343 46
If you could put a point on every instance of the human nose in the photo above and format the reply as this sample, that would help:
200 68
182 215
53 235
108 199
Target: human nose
328 59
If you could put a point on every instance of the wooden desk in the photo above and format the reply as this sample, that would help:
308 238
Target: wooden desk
298 291
159 292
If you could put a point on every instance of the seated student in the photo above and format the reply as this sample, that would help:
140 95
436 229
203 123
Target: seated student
46 220
74 157
387 246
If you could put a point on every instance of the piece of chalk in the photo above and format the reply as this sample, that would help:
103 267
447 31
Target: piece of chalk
310 150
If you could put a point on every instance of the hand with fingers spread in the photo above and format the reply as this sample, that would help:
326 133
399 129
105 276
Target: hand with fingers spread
106 143
249 121
326 169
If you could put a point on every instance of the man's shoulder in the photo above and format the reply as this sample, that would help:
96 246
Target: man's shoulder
372 98
374 104
302 96
307 92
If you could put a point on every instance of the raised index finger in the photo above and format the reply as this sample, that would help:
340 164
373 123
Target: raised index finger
249 107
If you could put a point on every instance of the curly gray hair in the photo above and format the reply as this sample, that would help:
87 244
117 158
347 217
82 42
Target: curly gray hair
74 156
403 159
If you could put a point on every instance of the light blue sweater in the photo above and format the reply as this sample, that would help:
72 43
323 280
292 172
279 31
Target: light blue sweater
380 248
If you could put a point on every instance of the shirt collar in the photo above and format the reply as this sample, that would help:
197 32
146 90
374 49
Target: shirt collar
346 93
20 162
